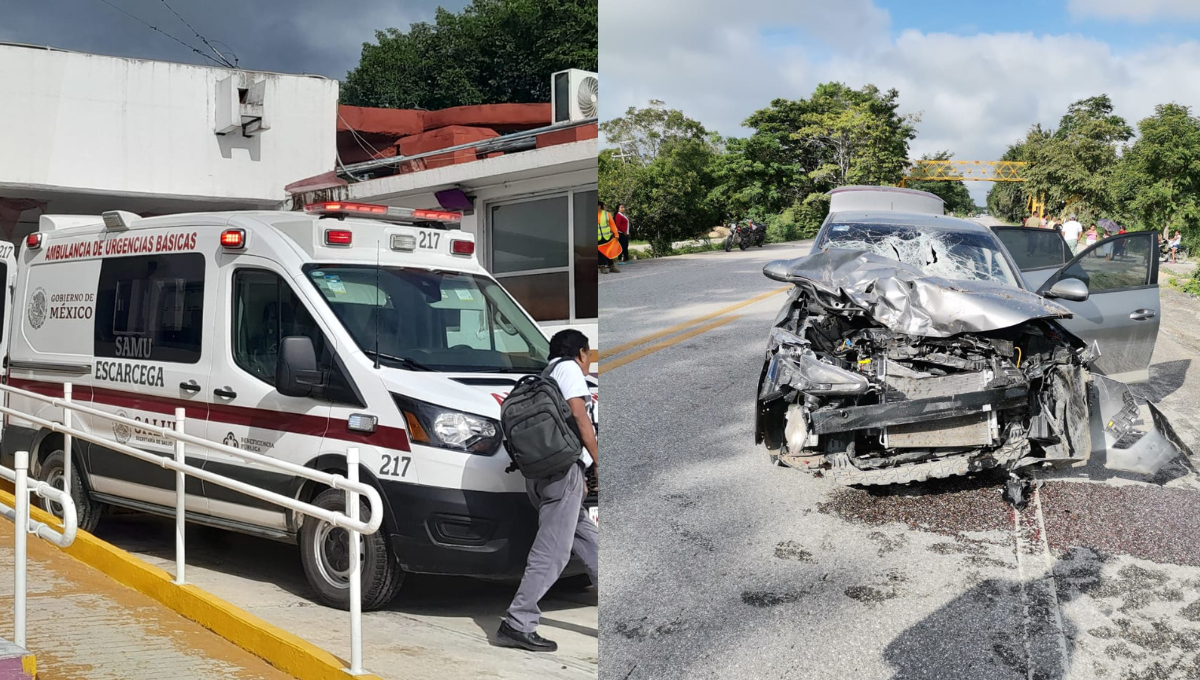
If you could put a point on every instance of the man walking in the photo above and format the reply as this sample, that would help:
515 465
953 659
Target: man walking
1071 229
563 523
622 222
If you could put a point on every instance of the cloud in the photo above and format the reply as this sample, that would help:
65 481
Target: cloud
976 94
291 36
1135 10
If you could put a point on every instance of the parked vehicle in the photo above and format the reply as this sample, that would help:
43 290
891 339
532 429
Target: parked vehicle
758 233
1164 253
292 335
739 235
915 346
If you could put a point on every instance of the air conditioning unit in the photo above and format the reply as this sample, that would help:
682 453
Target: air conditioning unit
574 95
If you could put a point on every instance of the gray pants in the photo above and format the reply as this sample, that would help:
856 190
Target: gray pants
563 527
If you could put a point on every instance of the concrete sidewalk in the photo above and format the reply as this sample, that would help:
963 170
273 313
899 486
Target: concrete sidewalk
82 624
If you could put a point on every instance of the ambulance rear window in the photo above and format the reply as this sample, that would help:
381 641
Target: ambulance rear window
151 308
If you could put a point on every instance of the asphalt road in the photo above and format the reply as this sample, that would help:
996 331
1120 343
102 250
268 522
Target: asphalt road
718 565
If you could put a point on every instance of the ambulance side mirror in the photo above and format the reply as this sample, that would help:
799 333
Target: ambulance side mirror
296 371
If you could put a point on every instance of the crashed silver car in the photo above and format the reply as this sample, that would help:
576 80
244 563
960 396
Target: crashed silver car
911 347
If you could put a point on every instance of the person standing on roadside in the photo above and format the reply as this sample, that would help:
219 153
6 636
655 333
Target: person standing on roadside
1071 231
605 232
1033 221
564 526
1174 243
622 222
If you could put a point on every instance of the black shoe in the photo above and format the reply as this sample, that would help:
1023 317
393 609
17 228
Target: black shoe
508 636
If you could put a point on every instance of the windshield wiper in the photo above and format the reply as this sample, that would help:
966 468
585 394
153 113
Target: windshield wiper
402 362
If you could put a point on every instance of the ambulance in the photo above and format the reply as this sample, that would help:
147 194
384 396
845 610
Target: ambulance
295 335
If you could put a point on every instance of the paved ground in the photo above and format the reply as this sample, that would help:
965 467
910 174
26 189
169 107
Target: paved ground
437 628
82 625
719 565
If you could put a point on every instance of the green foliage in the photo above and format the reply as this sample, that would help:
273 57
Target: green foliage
955 194
494 51
1157 183
663 171
678 181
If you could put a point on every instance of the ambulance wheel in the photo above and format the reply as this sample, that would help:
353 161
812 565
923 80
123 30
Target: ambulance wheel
324 551
87 511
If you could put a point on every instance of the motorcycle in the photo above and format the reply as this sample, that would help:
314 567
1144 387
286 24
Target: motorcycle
740 235
758 233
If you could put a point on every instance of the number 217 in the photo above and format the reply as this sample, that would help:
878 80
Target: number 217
395 466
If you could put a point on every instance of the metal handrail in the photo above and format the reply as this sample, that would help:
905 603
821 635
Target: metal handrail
23 526
349 483
331 480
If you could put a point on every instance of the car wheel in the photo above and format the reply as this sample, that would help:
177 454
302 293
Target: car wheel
87 511
324 552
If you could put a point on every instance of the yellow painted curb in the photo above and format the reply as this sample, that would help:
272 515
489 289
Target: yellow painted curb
283 650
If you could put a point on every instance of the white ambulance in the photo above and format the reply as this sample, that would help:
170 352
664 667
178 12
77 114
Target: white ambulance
294 335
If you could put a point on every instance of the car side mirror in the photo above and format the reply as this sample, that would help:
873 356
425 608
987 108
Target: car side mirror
296 371
1069 289
778 271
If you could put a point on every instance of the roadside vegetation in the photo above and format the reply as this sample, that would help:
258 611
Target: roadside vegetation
1094 165
679 180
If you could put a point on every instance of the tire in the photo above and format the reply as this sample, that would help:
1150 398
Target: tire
729 244
87 511
381 575
742 243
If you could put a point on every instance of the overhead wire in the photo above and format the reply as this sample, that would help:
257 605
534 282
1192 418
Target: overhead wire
372 151
159 30
204 40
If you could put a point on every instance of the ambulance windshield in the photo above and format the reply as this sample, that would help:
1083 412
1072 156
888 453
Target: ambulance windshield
434 320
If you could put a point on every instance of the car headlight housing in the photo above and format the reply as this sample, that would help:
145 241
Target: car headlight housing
446 428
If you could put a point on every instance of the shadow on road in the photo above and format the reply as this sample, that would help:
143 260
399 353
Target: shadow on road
1165 378
998 629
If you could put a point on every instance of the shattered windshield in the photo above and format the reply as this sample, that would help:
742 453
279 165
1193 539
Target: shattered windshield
952 255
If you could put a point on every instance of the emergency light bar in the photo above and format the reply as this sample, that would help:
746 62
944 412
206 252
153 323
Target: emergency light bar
382 212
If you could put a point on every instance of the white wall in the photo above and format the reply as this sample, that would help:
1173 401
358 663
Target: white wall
74 121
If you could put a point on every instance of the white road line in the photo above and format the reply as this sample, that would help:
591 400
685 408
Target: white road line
1024 597
1062 637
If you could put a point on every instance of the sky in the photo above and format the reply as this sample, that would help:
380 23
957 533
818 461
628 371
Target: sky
291 36
979 74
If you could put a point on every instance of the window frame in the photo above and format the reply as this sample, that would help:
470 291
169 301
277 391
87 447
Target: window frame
195 356
488 243
351 397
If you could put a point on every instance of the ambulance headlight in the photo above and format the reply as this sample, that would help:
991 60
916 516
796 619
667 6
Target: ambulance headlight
445 428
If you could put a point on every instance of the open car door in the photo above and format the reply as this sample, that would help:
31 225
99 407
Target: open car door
1039 253
1121 313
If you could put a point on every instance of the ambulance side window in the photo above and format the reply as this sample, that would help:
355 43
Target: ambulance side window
266 310
151 307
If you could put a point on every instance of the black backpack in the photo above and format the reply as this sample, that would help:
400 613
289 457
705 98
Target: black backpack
540 431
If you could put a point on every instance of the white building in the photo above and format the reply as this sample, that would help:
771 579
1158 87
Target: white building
84 133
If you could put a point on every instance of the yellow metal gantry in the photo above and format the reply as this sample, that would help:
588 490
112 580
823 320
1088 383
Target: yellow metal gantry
965 171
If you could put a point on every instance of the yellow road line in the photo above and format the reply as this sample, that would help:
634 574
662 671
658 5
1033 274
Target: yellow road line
616 363
686 324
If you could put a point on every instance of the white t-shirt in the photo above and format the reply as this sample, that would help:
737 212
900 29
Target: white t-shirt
1071 230
573 385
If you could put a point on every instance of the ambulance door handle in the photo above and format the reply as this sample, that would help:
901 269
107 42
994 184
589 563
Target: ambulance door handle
190 386
224 393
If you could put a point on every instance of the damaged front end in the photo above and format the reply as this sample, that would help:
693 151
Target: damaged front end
877 373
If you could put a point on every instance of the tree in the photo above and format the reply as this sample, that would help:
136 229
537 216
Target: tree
955 194
662 170
493 52
864 138
1157 183
641 133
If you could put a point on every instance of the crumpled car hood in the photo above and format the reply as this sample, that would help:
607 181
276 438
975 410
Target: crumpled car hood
905 300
